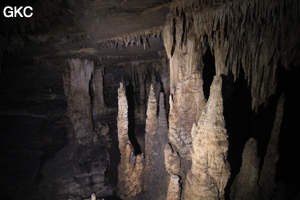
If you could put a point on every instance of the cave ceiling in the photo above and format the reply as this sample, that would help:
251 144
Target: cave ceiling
97 29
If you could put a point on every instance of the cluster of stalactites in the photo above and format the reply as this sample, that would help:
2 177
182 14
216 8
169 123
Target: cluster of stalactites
255 35
138 38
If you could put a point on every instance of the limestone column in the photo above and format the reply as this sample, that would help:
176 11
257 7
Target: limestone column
76 85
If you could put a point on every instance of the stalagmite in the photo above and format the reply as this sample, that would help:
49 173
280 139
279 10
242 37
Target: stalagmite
76 85
98 100
172 160
245 186
174 188
239 32
172 165
210 171
131 165
267 177
162 121
155 181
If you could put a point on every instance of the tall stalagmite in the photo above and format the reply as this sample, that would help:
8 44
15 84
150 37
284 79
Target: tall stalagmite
155 181
210 170
245 185
267 177
131 165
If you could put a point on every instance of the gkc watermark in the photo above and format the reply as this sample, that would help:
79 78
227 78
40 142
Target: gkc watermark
15 11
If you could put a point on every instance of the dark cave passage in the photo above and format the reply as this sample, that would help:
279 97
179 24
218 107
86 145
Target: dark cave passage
289 148
130 94
209 71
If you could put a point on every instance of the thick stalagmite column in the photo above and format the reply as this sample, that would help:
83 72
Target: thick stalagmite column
210 170
245 185
76 85
267 176
187 99
98 100
131 166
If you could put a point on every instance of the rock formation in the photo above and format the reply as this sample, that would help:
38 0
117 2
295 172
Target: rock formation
131 165
98 96
168 141
172 165
79 168
186 100
267 176
245 186
155 180
77 80
210 171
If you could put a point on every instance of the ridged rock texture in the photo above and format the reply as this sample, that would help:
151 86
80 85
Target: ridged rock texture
187 98
155 180
245 185
238 33
76 84
79 168
99 107
267 176
131 166
172 165
142 175
210 170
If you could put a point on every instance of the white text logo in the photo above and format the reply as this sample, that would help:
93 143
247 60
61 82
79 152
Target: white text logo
18 11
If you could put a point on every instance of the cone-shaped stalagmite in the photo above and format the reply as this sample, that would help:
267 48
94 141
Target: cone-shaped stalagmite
130 167
155 181
267 177
245 185
210 171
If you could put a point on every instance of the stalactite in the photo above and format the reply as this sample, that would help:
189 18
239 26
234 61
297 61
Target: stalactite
245 186
267 177
210 171
131 165
98 100
76 85
239 34
133 39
